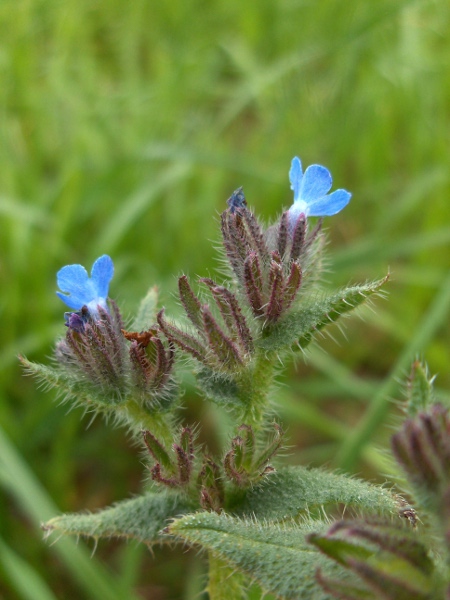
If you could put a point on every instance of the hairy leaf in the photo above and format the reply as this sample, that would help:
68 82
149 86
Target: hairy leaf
292 490
278 557
140 518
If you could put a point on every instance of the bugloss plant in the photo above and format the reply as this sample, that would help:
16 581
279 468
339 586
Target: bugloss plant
256 522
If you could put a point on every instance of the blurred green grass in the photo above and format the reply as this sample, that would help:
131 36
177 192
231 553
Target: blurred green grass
125 126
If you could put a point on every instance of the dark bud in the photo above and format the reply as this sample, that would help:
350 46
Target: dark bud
77 320
236 200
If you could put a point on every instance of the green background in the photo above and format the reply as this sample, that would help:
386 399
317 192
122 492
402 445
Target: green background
125 126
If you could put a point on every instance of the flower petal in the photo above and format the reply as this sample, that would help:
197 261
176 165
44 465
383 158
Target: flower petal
74 280
316 183
329 205
296 176
295 211
101 274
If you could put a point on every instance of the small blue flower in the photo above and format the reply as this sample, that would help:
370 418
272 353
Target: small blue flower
310 192
80 290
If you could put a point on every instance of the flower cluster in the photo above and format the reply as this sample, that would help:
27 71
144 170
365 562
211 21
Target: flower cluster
269 266
99 351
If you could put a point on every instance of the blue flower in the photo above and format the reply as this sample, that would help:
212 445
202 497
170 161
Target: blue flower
310 192
82 290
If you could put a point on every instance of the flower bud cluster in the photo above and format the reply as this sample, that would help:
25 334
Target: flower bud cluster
243 464
224 347
93 350
422 448
98 352
172 469
388 558
266 264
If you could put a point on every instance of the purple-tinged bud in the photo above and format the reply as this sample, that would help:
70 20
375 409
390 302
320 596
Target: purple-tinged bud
255 236
167 481
183 340
208 501
237 237
389 559
422 448
184 464
238 476
158 452
191 303
221 345
184 452
388 587
274 307
187 442
232 315
236 254
298 237
389 538
424 464
151 363
282 237
292 285
253 282
97 353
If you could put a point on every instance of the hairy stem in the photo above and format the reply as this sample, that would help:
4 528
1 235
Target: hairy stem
254 385
139 419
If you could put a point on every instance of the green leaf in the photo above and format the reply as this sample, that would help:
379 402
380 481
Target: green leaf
146 315
220 388
140 518
291 490
278 557
316 312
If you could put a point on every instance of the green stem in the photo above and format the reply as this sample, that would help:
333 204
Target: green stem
254 385
224 581
140 419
